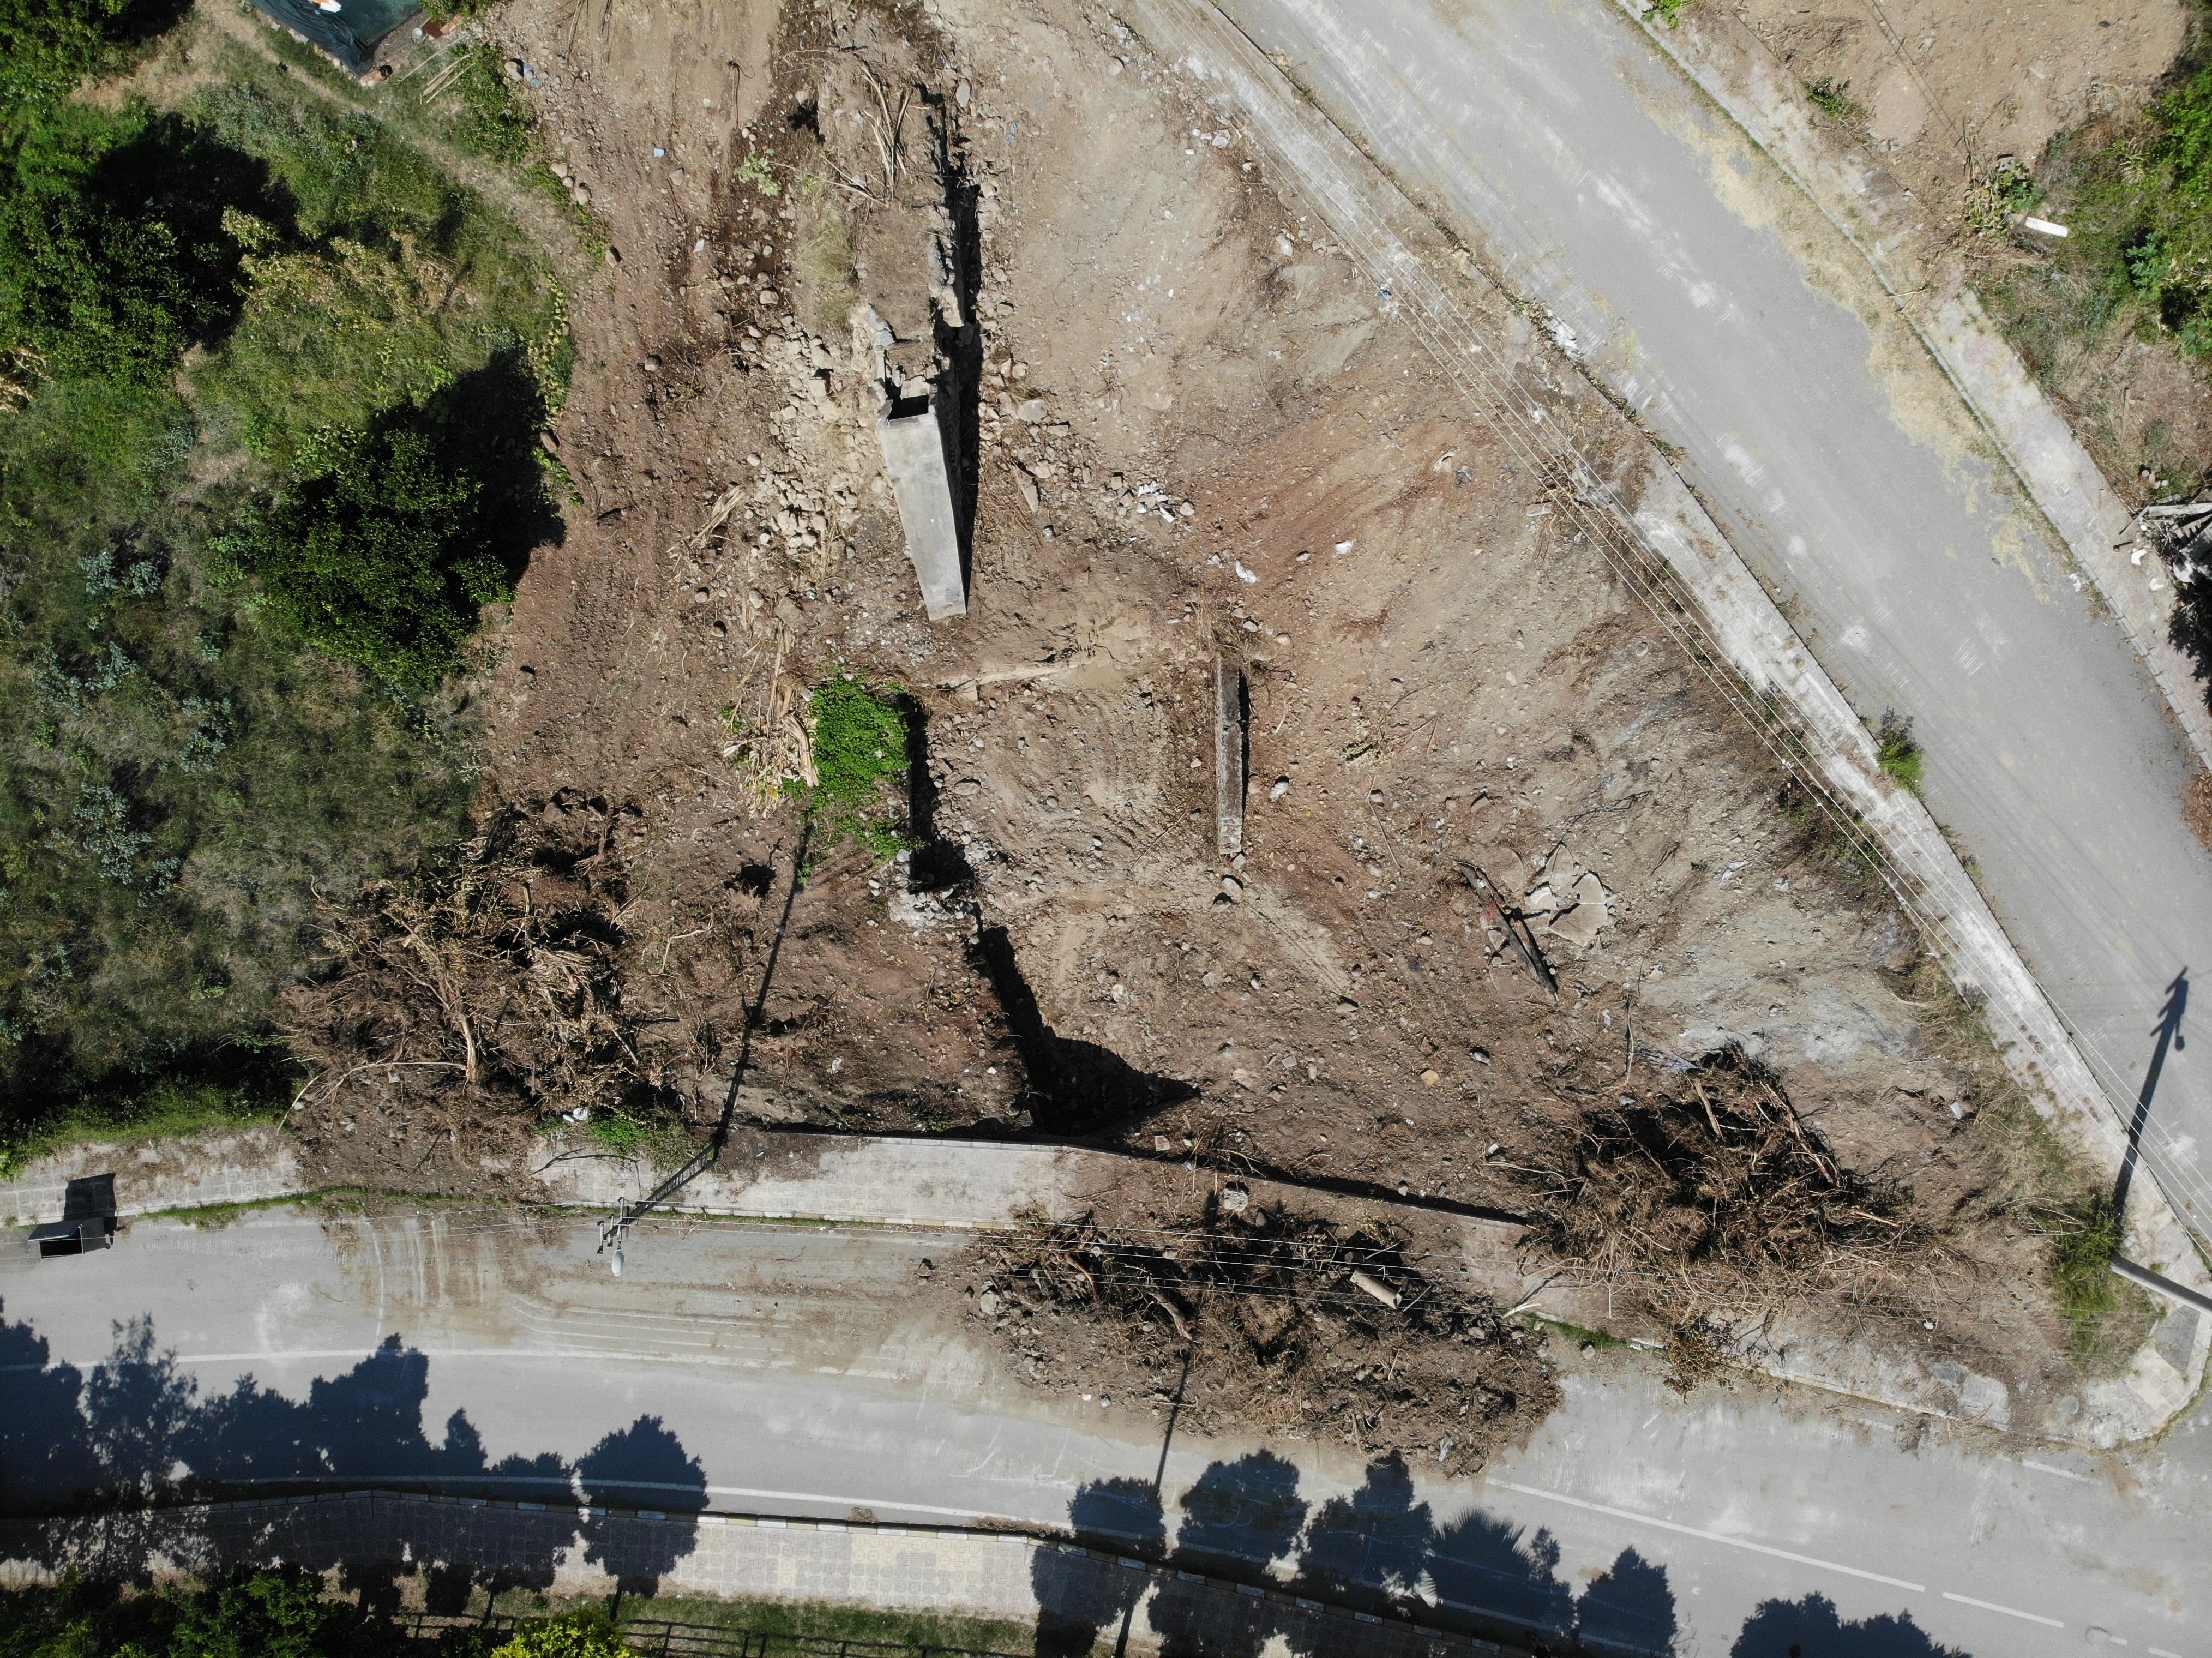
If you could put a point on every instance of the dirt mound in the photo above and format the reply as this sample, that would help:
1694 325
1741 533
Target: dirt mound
1259 1319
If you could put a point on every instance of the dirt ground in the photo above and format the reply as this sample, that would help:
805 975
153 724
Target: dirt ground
1192 434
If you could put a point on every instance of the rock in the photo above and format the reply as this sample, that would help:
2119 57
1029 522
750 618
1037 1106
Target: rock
1027 485
1233 886
1032 409
1430 1079
1162 1142
987 1304
1282 788
653 365
1578 923
1235 1199
581 194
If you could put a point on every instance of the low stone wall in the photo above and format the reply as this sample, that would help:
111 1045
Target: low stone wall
250 1165
1057 1588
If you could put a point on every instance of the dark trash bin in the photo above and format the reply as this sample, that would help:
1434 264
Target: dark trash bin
88 1219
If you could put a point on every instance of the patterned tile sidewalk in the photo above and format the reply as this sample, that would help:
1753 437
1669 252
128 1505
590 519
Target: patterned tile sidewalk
1058 1588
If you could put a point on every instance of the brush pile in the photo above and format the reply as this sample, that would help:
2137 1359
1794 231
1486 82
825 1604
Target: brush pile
1710 1188
1289 1325
486 985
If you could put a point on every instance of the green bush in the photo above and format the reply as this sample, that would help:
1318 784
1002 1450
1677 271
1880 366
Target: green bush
48 46
576 1634
185 765
103 271
376 553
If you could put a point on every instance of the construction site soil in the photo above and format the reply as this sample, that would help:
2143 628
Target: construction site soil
1188 433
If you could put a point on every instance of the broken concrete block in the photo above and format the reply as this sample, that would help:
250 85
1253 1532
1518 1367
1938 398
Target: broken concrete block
913 454
1229 704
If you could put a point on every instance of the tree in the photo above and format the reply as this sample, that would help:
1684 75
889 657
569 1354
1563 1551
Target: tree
112 255
377 553
48 46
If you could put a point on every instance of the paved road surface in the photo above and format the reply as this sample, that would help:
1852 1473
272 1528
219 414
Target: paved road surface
1708 292
791 1363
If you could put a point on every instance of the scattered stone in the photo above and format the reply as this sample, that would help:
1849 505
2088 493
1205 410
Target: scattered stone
1235 1199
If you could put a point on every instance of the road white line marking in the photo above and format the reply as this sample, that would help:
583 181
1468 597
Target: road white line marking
1710 1536
2160 1652
2063 1473
2009 1612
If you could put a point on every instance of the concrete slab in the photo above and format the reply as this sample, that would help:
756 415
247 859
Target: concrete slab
913 454
1228 756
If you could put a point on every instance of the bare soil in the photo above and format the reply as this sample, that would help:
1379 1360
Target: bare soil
1189 434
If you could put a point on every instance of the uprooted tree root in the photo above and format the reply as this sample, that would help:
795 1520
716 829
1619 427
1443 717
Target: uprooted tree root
1709 1193
485 990
1289 1325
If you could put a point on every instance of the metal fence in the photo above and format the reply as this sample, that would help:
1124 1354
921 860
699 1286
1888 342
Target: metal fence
662 1637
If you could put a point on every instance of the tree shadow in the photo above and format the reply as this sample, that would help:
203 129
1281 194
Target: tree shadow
136 1431
1372 1548
646 1467
1079 1596
44 1441
1376 1548
1630 1609
1811 1628
1496 1570
1240 1517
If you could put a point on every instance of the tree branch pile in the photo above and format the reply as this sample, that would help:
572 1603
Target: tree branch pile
486 986
1710 1188
1292 1325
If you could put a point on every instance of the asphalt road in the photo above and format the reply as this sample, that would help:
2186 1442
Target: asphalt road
1709 293
758 1369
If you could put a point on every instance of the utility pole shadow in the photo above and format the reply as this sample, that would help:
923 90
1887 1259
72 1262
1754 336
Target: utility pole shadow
709 1154
2168 1036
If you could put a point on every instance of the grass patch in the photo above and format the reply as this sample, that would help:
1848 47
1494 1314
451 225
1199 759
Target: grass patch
858 733
2037 1184
628 1134
1833 98
808 1620
1902 759
1576 1334
163 1107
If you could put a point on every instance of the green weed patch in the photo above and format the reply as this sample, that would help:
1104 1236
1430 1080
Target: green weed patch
859 745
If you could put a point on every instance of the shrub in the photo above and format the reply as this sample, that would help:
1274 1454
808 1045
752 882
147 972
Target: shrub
105 269
1902 760
577 1635
375 553
48 46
